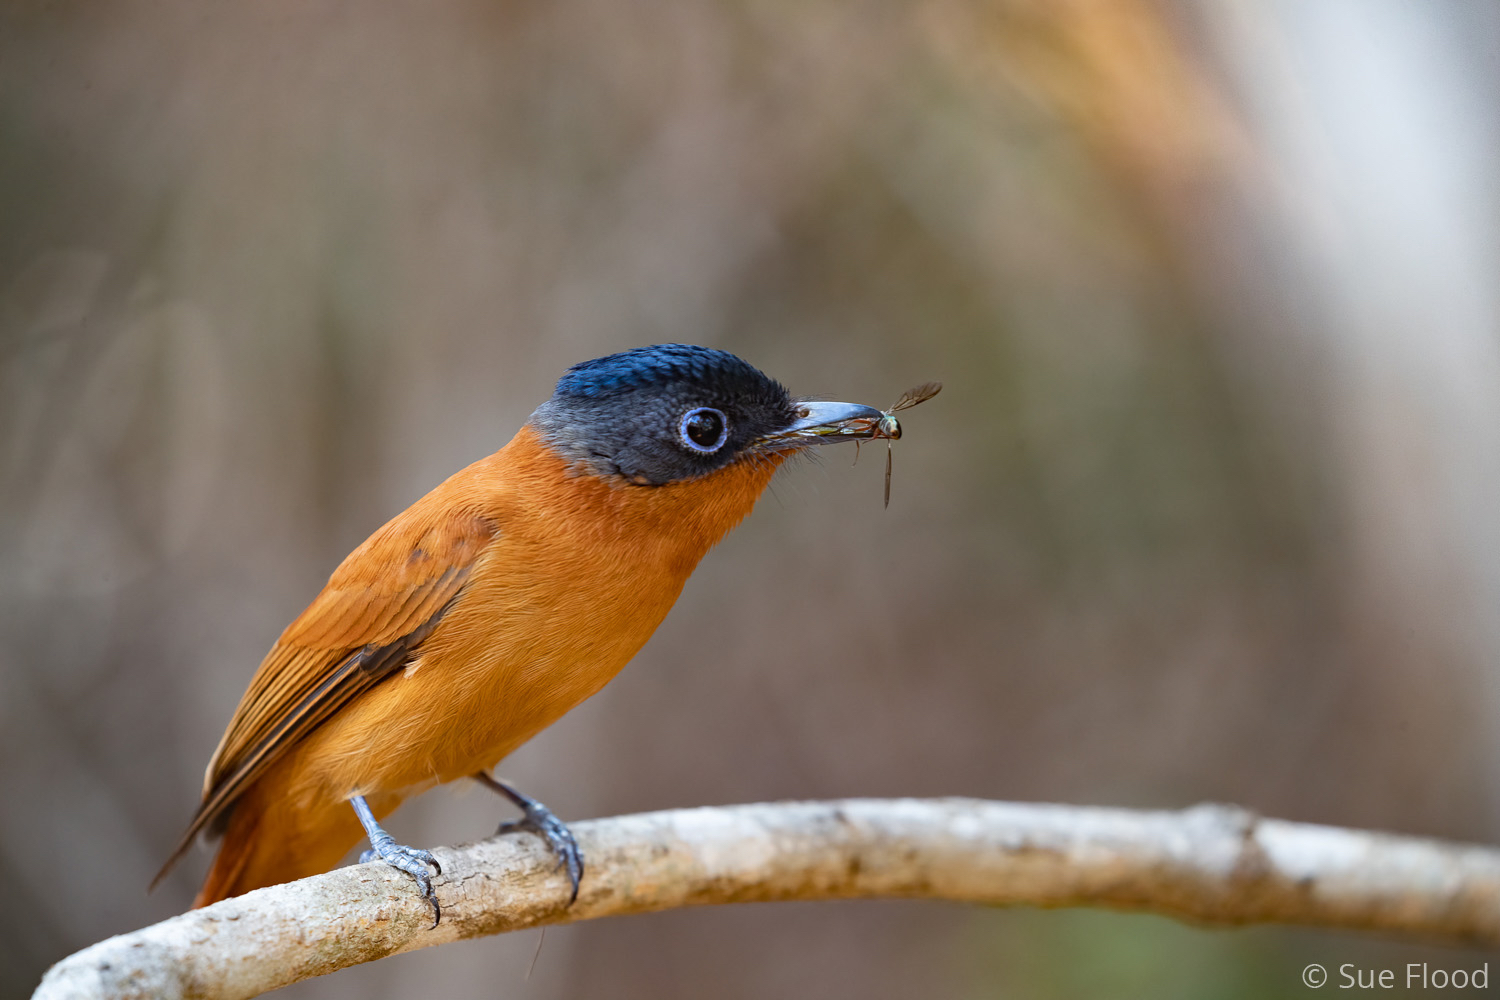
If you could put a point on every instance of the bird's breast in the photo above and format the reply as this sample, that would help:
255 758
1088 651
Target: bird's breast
579 576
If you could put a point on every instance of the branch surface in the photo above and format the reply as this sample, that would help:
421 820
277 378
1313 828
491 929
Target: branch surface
1211 864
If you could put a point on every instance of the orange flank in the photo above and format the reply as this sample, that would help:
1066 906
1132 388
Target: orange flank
454 634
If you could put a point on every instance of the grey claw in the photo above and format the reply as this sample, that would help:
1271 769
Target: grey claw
538 819
411 860
560 839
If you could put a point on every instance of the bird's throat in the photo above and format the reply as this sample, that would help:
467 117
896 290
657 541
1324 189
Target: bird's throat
674 524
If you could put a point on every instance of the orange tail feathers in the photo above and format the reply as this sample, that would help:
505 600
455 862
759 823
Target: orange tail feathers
269 841
230 862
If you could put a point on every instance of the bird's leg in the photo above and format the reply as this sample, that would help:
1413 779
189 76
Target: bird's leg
540 821
411 860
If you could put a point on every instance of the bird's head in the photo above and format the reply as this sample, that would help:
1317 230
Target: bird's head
670 413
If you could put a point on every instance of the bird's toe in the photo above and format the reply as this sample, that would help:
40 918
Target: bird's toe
413 861
541 821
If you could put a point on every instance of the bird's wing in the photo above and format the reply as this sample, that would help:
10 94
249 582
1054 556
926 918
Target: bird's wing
378 606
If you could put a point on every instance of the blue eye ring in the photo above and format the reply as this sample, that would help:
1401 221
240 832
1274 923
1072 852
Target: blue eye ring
703 429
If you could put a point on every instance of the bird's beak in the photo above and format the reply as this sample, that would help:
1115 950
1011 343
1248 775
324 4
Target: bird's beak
825 423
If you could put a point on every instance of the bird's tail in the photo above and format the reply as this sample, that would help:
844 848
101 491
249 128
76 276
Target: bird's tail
233 857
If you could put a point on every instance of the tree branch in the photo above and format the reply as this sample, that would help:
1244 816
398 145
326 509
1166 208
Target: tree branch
1214 864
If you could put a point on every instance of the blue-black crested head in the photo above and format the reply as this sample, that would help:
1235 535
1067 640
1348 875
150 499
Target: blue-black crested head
664 413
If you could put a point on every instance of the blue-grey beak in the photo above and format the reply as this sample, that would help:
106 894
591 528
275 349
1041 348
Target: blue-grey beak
826 423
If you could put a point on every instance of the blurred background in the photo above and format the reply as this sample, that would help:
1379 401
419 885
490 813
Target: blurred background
1206 511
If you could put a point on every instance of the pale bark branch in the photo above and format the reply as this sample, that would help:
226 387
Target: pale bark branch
1213 864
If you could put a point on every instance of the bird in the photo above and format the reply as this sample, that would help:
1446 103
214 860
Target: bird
486 610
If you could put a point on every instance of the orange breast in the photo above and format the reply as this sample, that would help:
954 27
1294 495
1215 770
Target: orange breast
579 576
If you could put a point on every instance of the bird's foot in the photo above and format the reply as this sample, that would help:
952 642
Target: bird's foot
412 860
540 820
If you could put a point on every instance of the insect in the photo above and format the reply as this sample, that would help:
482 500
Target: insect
889 427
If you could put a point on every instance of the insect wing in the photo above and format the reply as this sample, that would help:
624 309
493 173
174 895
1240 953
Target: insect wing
920 394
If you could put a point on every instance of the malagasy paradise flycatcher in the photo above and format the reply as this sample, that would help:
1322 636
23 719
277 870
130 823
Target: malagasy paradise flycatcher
494 604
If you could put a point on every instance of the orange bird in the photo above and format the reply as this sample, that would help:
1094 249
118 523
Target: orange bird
491 606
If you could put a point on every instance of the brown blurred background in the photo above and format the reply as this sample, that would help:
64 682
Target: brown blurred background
1207 510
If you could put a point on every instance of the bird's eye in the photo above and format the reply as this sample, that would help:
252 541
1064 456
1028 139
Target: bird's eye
704 429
